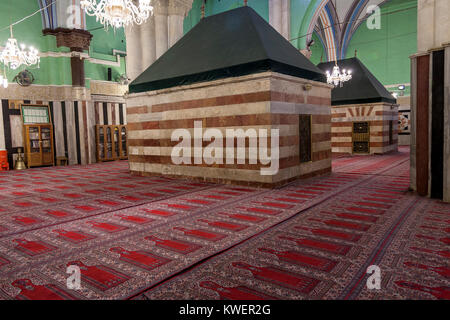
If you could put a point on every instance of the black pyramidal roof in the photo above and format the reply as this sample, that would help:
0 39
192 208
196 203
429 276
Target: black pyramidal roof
230 44
362 88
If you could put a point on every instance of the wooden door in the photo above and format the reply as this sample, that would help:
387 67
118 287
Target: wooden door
32 133
361 137
116 142
101 146
305 138
123 143
46 142
109 143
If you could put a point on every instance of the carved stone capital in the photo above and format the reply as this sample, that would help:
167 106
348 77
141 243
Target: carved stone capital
75 39
179 7
160 7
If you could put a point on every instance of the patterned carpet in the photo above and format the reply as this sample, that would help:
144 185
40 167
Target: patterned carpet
158 238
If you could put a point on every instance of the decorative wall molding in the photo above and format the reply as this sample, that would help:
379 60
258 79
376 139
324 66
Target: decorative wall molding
75 39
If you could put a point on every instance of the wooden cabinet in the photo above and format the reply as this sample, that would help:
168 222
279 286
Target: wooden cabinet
38 140
111 141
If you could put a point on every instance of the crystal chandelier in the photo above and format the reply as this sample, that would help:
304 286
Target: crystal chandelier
337 78
118 13
13 57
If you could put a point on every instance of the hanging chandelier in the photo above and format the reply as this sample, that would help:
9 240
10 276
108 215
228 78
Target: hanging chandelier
337 78
13 57
118 13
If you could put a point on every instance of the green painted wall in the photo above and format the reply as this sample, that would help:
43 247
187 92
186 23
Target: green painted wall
57 70
301 14
386 51
104 41
217 6
102 45
318 51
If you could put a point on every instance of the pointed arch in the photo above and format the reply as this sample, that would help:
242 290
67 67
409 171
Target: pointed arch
329 32
351 21
319 6
305 32
48 15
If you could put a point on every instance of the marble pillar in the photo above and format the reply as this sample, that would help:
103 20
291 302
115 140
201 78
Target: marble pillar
286 18
433 35
2 130
147 44
275 14
149 41
176 18
161 29
434 24
279 16
413 168
134 52
70 14
447 124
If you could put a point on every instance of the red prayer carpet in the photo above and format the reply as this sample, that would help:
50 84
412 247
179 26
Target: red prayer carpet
159 238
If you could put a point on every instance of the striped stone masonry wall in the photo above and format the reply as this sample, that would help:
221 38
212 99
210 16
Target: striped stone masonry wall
377 114
261 101
74 113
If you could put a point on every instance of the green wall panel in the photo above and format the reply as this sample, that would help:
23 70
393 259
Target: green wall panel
301 14
217 6
318 51
386 51
104 41
57 70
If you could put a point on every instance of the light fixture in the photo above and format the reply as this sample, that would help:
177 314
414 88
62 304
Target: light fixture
401 87
337 78
13 57
118 13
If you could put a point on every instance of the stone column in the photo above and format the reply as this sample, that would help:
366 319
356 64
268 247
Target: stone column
280 16
147 45
286 18
275 14
447 124
433 24
70 14
161 27
176 13
413 103
2 130
134 52
433 37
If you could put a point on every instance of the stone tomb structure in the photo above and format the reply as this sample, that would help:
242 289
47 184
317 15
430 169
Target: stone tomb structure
231 102
364 114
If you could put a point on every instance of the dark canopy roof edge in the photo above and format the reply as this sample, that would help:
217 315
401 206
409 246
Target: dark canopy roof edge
362 88
231 44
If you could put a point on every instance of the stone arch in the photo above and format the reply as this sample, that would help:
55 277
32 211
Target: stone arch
329 34
49 14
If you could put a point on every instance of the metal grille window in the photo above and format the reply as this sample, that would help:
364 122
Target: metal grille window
391 132
361 137
305 143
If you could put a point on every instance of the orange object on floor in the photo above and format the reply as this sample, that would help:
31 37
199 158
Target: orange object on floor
4 165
